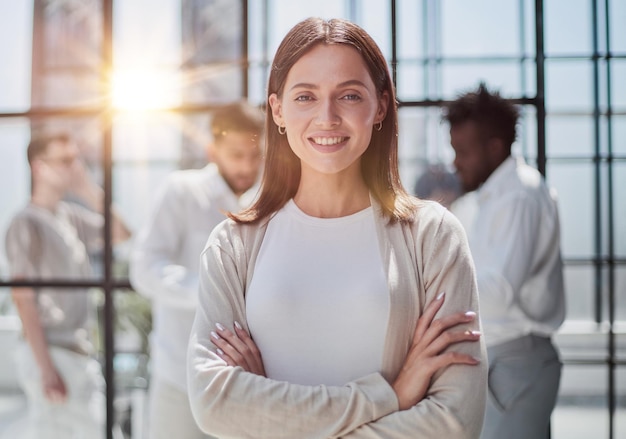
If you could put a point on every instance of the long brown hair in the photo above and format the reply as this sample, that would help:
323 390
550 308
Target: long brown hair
379 163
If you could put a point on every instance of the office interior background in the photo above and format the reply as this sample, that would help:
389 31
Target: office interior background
135 82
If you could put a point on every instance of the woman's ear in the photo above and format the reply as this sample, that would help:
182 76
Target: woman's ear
383 104
277 109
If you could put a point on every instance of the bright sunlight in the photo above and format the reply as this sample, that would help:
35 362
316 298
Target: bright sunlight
144 89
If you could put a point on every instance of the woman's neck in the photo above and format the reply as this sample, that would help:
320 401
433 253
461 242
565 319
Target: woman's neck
332 196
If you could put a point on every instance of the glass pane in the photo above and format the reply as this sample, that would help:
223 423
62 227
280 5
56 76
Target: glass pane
67 56
15 53
14 174
620 305
619 134
411 84
618 85
579 292
617 30
470 30
581 411
284 14
131 361
374 17
412 29
620 412
562 77
574 183
459 77
619 209
571 35
423 140
569 136
212 51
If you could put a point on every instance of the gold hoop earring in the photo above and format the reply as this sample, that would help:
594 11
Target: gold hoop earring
379 126
282 130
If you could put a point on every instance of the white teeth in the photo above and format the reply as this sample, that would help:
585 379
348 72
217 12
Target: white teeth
328 140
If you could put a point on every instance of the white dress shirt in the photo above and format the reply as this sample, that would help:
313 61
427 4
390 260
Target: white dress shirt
513 230
165 260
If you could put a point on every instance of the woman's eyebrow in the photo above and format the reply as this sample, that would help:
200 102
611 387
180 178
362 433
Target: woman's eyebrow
350 82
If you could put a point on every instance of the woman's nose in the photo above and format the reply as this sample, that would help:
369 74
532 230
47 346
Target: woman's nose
328 116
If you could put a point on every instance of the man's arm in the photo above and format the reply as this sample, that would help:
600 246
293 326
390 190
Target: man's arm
53 385
154 270
93 196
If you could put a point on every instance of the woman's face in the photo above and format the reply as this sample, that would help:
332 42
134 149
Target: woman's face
329 107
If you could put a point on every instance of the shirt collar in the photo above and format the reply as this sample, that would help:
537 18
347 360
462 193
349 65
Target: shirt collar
497 179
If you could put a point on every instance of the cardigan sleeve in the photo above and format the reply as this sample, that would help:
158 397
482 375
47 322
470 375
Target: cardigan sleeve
229 402
455 403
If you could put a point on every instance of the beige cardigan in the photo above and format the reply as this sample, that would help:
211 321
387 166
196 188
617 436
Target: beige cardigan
422 259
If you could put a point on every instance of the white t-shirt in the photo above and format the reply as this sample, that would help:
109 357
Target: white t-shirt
319 282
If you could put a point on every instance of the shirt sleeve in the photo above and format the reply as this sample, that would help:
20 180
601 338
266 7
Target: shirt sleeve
153 270
455 404
229 402
23 247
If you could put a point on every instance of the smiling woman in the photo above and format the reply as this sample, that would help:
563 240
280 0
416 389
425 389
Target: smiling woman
145 89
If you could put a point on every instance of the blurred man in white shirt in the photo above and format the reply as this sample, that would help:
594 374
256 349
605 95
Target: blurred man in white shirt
512 223
165 260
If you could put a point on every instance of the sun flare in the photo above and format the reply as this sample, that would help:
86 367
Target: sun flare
142 90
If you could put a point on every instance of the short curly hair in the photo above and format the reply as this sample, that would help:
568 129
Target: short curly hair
495 116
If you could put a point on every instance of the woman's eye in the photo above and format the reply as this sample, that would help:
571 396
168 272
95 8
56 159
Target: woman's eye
352 97
303 98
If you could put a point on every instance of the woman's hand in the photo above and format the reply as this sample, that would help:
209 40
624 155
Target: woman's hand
238 349
425 356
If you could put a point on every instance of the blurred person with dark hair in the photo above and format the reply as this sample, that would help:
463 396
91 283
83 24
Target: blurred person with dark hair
51 239
165 260
515 242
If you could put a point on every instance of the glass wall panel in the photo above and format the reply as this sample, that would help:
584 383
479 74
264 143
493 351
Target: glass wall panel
468 28
618 130
133 323
573 38
618 85
581 411
620 413
619 208
562 78
620 304
67 54
570 136
15 50
411 81
574 183
459 77
579 287
617 14
413 27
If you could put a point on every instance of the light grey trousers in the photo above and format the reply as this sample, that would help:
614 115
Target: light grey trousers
524 377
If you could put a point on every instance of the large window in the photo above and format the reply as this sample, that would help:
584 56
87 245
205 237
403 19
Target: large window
135 83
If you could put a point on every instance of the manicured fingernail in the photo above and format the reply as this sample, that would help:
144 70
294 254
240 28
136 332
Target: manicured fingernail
219 326
237 325
214 335
219 352
476 359
440 295
470 314
476 333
